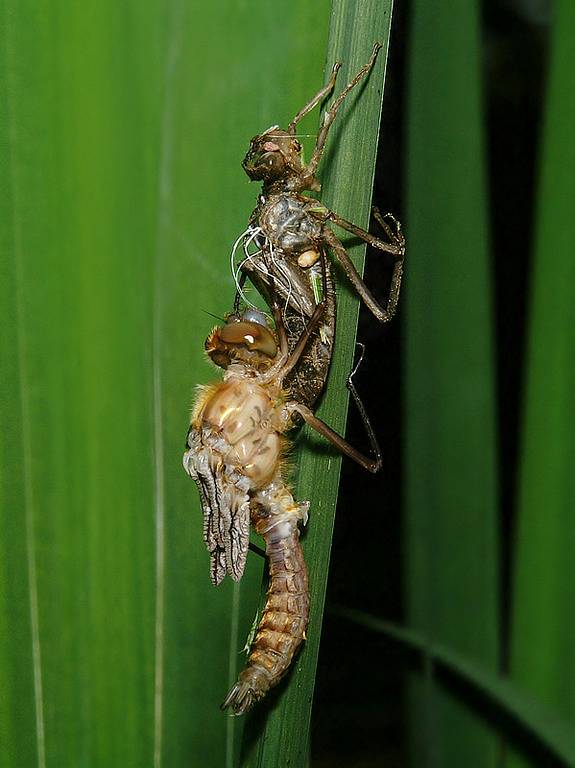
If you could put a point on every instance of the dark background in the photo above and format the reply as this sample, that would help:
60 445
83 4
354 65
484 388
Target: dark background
358 716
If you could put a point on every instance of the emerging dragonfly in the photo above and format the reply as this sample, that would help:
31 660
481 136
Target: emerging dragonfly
235 448
289 234
273 377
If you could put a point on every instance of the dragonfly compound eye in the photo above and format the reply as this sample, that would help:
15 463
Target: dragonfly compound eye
252 315
253 335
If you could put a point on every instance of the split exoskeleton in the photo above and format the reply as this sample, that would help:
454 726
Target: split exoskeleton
291 231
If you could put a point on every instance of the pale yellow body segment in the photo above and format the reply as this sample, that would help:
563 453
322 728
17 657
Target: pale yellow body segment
241 412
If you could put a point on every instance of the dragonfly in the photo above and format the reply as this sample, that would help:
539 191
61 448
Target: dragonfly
235 452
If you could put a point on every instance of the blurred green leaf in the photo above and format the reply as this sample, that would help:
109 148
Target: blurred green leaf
543 627
123 130
555 734
450 458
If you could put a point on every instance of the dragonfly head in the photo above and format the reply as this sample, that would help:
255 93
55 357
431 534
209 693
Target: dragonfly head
244 338
273 156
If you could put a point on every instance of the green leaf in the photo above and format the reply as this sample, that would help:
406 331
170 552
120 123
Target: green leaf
278 733
543 627
555 734
450 458
124 125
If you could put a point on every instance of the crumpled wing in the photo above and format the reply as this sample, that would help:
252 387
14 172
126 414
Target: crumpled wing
225 503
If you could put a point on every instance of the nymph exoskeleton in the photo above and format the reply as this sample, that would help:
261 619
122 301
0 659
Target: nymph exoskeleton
290 228
299 292
234 453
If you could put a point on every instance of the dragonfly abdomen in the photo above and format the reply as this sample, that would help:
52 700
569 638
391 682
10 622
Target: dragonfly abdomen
282 627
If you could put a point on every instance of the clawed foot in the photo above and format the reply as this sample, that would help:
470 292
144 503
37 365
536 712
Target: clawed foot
393 232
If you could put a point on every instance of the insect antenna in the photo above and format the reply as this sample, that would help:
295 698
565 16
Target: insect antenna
211 314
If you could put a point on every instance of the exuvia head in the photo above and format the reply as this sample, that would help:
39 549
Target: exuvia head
244 338
273 155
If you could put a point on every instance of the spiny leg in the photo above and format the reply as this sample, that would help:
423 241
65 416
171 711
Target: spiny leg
397 245
363 413
383 314
330 114
317 99
397 236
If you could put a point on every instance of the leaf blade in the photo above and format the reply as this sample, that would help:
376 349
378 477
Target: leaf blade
281 736
450 456
541 624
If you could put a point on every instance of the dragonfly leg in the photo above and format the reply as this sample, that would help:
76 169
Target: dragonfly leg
383 314
396 246
330 114
317 99
363 413
395 235
372 465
